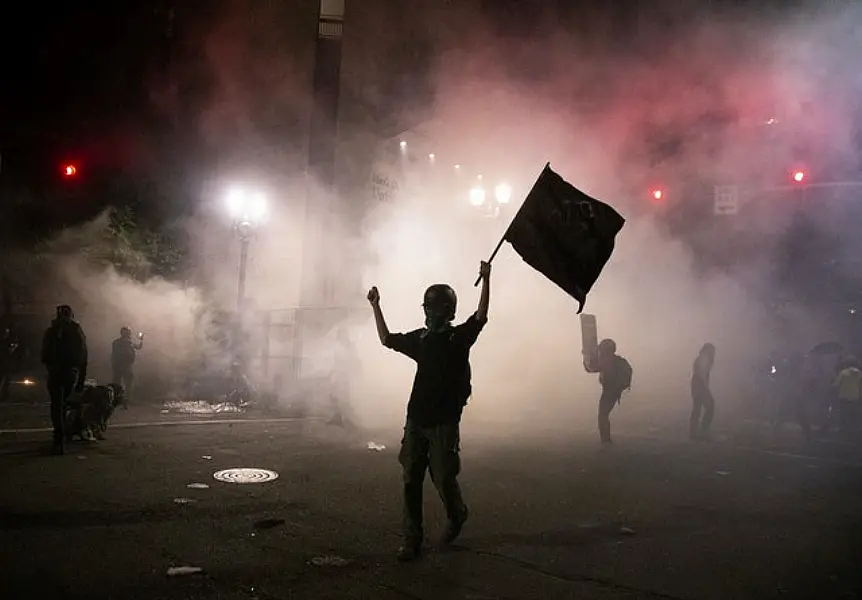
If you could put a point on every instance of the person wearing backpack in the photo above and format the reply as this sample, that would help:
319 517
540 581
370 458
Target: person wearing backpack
64 354
701 395
615 377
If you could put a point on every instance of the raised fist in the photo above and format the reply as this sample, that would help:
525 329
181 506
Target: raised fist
373 295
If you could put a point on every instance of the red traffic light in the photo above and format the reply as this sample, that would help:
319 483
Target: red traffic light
69 170
798 176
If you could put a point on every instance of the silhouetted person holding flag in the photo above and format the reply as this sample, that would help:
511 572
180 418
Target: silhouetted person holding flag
440 392
64 354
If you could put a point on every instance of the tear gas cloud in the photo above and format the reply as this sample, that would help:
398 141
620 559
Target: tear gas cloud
586 106
105 300
584 114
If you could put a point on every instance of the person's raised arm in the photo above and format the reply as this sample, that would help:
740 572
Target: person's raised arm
379 321
485 294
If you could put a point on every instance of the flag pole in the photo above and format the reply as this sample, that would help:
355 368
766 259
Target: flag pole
503 237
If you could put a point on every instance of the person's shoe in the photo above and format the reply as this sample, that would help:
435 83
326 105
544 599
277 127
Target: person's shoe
58 449
99 434
453 529
409 552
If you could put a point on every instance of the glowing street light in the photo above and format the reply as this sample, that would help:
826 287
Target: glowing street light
503 193
799 176
477 195
247 209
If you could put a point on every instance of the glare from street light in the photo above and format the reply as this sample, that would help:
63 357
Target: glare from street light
403 145
503 193
248 207
477 195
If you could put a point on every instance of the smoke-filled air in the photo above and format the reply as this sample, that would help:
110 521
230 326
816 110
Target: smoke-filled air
501 107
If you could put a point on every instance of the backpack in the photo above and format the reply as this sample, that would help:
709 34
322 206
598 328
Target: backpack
624 373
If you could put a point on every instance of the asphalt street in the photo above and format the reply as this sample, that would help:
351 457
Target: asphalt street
654 516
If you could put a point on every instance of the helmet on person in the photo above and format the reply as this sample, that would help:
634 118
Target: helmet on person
607 347
440 300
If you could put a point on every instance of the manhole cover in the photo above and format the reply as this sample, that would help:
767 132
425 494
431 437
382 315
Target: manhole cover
245 475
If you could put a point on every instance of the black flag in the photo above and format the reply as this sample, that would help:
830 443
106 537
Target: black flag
564 234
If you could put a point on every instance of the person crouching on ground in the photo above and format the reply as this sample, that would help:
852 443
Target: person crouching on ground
440 392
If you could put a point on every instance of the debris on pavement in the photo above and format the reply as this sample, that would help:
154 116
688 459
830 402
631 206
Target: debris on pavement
722 472
268 523
197 486
207 457
627 531
329 561
184 500
376 447
183 571
200 407
82 457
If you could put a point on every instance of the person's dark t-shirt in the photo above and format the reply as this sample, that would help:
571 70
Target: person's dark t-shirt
122 354
442 384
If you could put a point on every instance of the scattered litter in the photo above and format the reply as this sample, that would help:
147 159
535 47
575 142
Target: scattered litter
722 472
207 457
329 561
627 531
587 525
184 500
376 447
82 457
184 571
197 486
201 407
165 411
268 523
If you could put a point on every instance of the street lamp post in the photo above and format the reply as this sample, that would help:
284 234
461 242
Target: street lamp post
247 210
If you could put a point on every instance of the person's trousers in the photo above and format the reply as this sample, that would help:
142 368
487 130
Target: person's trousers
702 402
436 449
61 384
125 378
607 403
